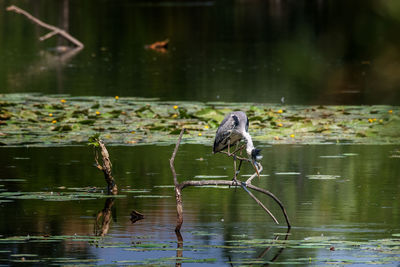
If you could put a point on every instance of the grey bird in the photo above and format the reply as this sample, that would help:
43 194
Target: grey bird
231 131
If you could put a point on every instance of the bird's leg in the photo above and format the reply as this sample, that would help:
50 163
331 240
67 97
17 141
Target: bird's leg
238 170
240 149
236 148
229 147
234 180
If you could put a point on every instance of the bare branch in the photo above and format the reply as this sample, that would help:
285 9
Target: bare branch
260 203
261 190
245 185
178 193
48 35
54 30
171 161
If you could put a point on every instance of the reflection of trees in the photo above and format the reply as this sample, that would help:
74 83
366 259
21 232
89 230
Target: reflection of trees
59 55
303 48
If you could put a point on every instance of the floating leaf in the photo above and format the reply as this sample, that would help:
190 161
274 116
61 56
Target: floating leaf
209 114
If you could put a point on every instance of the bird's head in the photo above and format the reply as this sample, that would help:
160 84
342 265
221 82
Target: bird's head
255 154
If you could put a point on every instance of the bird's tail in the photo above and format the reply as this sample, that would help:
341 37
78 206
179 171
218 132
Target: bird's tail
255 154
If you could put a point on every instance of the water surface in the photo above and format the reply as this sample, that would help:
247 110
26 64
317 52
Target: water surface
358 201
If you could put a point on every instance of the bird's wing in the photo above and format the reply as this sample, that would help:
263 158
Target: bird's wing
229 123
220 142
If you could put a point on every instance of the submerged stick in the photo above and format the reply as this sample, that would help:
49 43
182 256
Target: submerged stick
54 30
245 185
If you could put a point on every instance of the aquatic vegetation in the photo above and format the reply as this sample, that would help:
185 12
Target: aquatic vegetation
70 194
243 248
46 120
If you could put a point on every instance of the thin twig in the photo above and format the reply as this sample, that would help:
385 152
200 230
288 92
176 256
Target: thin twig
171 161
261 190
260 203
178 193
48 35
54 30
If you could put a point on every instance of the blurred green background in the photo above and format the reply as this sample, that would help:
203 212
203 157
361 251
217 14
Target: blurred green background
309 52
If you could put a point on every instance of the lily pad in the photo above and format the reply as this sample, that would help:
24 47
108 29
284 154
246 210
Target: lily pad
156 122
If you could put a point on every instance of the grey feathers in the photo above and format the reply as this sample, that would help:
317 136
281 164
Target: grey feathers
230 130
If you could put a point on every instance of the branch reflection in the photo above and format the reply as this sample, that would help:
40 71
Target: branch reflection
179 250
278 253
103 218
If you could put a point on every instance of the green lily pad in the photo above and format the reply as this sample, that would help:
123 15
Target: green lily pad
158 122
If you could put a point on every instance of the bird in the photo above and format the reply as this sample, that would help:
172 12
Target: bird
233 129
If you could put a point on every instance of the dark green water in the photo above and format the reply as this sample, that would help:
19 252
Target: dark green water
361 204
310 52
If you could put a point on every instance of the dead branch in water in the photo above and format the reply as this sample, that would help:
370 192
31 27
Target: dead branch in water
245 185
105 165
136 216
160 46
53 29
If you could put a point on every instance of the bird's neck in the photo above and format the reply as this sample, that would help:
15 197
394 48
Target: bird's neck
249 143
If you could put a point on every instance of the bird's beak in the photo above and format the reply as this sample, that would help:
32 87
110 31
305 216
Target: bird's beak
253 162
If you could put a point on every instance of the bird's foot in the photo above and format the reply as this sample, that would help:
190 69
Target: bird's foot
235 182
